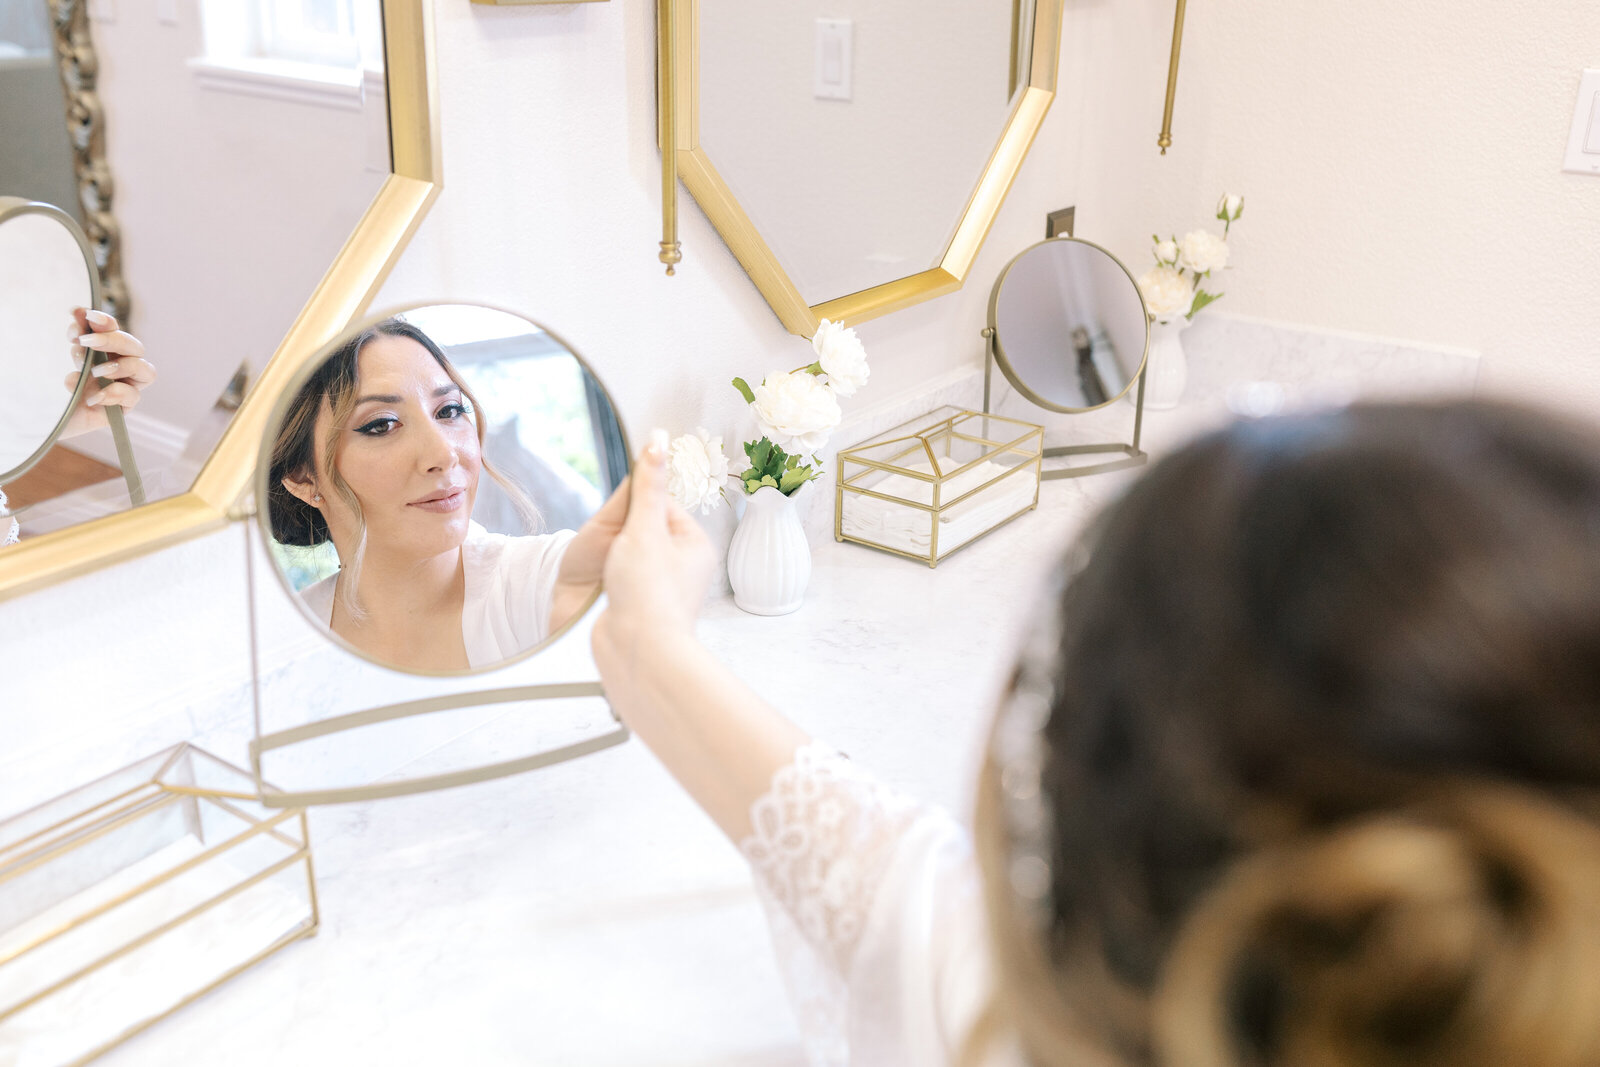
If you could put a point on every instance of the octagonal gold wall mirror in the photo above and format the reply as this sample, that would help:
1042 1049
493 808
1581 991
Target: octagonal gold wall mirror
221 160
854 155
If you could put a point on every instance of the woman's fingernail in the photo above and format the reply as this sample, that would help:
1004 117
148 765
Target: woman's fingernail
658 443
94 401
92 340
106 370
99 318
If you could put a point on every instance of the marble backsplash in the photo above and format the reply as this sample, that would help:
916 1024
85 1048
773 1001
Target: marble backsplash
1237 367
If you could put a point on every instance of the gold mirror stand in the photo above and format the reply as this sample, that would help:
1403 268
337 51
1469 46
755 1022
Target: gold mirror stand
1132 454
1165 140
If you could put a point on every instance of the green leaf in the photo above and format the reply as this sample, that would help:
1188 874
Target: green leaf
1201 299
1155 238
768 479
760 454
744 390
794 479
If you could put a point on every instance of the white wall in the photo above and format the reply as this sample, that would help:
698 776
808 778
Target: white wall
231 206
1400 161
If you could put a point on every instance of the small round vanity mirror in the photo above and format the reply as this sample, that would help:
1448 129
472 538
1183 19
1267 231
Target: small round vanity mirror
431 488
45 283
1068 326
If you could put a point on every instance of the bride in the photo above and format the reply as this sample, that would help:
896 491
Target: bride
1300 766
381 453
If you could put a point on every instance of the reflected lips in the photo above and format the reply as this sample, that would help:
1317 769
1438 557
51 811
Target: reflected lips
444 501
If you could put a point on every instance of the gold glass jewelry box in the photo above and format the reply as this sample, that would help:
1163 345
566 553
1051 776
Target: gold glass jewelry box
125 899
937 482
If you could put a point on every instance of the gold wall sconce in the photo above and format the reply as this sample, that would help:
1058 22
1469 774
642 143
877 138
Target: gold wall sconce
1165 140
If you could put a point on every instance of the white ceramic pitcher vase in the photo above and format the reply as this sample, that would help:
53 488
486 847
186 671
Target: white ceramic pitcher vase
769 560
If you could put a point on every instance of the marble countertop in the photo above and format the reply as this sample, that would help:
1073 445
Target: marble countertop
588 913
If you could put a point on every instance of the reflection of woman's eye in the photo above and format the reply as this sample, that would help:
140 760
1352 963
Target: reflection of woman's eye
379 426
454 410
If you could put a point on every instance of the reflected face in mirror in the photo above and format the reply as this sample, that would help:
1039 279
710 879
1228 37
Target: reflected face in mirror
399 449
393 524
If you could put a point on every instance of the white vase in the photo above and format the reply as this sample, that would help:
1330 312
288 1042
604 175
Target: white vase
769 560
1166 369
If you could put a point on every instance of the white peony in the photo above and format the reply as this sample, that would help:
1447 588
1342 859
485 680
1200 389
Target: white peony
1230 207
1167 294
796 410
696 468
1167 253
1202 251
842 356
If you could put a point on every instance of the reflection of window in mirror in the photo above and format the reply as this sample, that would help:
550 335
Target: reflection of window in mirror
277 111
340 41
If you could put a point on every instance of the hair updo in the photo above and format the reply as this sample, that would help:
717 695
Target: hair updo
1322 756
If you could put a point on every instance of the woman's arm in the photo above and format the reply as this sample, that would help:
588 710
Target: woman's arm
718 738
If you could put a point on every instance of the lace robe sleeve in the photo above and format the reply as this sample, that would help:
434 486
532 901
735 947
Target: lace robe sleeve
876 915
10 532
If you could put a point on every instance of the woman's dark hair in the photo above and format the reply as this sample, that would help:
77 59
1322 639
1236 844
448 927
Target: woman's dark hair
1293 631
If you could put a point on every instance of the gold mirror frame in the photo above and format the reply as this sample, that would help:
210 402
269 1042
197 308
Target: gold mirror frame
346 288
679 137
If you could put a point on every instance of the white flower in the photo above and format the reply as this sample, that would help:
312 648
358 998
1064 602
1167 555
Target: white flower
842 356
1230 207
1167 253
696 468
796 410
1167 294
1202 251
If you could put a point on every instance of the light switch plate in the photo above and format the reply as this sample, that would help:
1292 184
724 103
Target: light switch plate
831 72
1583 143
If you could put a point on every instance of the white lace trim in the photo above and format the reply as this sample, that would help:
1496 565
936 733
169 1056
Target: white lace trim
13 532
821 840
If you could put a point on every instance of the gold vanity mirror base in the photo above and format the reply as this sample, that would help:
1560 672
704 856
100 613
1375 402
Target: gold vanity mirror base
1132 454
428 783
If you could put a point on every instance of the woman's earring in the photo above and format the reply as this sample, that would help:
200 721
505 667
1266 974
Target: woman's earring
316 498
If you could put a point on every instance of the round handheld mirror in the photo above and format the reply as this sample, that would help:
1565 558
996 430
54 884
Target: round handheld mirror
1068 325
429 487
432 490
45 278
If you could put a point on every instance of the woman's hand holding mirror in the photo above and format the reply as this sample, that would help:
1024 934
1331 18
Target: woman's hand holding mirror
583 563
656 574
118 381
